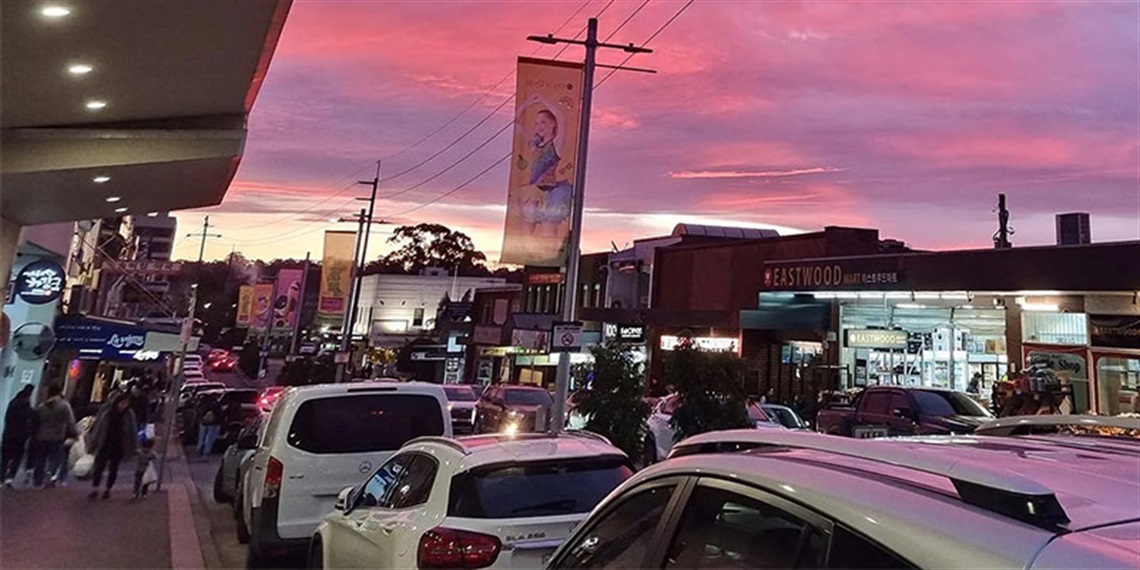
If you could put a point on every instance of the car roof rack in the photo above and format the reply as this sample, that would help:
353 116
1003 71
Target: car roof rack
1062 420
441 440
992 488
586 434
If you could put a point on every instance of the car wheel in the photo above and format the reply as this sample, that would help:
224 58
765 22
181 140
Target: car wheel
316 554
220 495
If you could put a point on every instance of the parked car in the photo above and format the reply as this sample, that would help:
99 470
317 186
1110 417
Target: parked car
796 499
784 415
217 354
188 391
223 364
239 409
660 435
269 397
226 480
492 501
461 401
513 408
882 411
320 439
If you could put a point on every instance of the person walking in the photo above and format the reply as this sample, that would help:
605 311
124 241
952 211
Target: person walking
210 425
19 423
113 437
55 425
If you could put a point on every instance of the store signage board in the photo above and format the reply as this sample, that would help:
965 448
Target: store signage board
873 338
705 343
832 275
1059 360
1114 331
566 337
534 340
624 333
544 278
147 266
40 282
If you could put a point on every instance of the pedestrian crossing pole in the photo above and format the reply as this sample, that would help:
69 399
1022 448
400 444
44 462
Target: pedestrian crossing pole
574 243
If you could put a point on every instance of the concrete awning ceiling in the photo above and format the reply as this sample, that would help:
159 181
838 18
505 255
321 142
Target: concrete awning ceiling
178 77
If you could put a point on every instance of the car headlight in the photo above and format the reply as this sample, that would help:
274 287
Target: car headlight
511 429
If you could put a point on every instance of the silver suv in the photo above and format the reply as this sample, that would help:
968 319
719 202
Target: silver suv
786 499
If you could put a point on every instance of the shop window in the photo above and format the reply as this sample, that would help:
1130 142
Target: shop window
1118 379
598 295
1055 328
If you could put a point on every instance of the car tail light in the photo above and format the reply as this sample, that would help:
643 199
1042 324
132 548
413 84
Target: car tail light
274 472
449 548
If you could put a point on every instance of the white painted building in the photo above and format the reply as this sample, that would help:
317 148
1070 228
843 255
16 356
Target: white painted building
398 308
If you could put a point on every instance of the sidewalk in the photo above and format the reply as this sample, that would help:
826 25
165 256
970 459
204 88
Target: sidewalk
62 528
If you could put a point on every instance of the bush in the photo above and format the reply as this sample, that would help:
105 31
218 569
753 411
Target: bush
614 403
711 390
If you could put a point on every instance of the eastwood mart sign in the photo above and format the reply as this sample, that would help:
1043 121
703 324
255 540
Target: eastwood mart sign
846 274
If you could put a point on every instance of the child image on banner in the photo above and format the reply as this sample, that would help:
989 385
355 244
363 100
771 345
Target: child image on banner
262 309
544 205
285 306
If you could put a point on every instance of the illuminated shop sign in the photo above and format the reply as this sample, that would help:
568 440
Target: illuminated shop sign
875 338
706 343
40 282
835 275
624 333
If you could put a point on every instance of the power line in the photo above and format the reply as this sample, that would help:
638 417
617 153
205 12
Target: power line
646 42
454 190
622 24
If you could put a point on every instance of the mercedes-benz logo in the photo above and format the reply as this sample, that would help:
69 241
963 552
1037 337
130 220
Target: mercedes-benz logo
365 466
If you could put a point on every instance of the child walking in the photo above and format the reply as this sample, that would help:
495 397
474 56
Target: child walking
144 466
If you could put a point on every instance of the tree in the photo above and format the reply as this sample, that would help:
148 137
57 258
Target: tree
710 388
614 403
430 245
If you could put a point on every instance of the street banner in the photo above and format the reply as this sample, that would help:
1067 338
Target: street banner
336 275
548 111
262 306
287 299
244 307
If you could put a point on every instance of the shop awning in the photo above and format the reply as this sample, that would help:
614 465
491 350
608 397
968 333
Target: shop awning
107 339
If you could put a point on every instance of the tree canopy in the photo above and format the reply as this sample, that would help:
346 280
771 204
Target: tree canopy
430 245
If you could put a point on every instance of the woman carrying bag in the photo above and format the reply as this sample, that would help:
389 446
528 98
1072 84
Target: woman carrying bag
113 438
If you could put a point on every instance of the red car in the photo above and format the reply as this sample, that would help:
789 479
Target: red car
269 397
224 364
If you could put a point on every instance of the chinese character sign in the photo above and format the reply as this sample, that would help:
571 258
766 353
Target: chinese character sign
262 306
40 282
245 307
336 275
543 162
287 299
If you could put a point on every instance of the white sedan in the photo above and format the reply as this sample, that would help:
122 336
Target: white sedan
491 501
660 434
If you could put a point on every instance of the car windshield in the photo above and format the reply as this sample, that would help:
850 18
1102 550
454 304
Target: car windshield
756 414
535 489
528 398
460 393
786 417
939 403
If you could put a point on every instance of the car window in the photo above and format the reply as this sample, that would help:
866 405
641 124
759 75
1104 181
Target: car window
460 393
532 489
414 488
622 537
900 401
878 402
756 414
376 490
364 423
785 416
850 551
528 397
939 403
723 529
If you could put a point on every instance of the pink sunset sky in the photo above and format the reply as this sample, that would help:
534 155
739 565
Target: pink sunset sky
906 117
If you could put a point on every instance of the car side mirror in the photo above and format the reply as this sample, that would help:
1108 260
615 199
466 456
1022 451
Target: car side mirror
343 498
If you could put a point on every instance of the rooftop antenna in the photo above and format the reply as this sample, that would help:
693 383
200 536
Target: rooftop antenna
1001 238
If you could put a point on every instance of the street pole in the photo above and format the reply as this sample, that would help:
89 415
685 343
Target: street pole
350 311
570 285
300 305
363 233
171 404
263 350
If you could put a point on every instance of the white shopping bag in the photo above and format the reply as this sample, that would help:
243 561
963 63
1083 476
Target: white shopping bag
77 451
150 476
149 431
83 466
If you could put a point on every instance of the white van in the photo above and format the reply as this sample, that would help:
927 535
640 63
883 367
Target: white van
319 440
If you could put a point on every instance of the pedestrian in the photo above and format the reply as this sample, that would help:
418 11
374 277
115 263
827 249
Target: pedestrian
19 423
144 461
210 425
113 437
975 386
55 424
140 403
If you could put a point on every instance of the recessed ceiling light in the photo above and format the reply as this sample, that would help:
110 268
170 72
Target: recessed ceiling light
113 199
95 105
79 69
121 210
55 11
152 214
101 179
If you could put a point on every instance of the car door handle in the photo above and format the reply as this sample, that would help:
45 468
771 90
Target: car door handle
298 476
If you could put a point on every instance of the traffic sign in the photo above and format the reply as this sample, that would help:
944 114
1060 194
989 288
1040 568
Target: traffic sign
566 337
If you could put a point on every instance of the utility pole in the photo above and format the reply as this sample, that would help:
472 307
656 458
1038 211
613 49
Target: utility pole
179 377
570 286
1001 238
300 305
350 311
